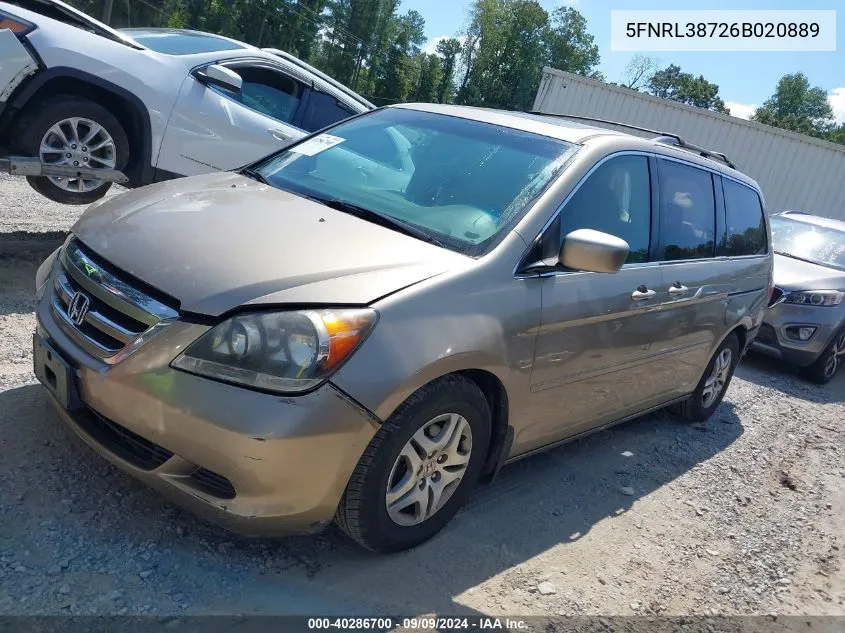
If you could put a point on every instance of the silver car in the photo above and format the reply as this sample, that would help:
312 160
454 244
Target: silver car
805 323
363 326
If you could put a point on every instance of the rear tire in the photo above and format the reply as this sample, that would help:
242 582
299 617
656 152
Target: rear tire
824 369
720 370
51 125
378 508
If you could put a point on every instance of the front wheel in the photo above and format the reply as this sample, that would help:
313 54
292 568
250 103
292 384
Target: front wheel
711 388
72 131
824 369
419 468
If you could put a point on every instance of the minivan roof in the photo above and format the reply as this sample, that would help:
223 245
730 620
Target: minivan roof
561 129
575 132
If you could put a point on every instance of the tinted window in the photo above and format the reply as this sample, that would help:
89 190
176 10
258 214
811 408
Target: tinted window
615 199
268 92
687 212
181 43
746 224
325 110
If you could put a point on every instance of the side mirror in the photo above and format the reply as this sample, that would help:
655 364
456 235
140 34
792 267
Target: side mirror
215 75
593 251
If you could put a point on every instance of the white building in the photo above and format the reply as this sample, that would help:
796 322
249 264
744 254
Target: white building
795 171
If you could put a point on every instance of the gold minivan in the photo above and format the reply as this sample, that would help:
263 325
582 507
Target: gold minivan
362 326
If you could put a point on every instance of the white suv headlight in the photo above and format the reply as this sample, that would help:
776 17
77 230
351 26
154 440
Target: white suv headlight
284 352
815 297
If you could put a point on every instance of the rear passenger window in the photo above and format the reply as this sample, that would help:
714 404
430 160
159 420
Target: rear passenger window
746 224
687 212
615 199
323 111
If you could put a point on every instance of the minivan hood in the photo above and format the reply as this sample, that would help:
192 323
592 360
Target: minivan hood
220 241
797 274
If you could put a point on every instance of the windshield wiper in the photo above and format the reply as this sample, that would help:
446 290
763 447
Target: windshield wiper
816 262
249 172
377 218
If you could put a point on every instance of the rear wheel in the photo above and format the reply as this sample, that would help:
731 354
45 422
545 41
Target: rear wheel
419 468
713 385
824 369
75 132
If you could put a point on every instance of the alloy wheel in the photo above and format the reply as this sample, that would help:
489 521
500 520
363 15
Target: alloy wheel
718 377
429 469
78 142
837 352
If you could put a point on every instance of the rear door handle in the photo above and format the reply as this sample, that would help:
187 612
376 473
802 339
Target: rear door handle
279 135
642 293
677 289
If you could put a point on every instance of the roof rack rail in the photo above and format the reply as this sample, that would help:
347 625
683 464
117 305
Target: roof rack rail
668 138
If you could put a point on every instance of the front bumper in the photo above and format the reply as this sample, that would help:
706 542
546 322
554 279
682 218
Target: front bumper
774 340
255 463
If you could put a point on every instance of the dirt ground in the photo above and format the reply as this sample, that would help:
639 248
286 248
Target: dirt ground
742 515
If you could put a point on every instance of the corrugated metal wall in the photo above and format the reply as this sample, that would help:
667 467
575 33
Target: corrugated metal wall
795 171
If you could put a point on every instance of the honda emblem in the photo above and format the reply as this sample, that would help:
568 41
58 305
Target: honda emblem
78 307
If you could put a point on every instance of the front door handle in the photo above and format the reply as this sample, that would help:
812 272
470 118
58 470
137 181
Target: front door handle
677 289
642 293
279 135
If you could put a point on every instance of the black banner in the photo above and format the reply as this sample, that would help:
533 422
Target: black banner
529 624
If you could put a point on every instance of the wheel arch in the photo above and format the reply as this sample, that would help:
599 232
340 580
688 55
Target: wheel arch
740 330
126 107
496 394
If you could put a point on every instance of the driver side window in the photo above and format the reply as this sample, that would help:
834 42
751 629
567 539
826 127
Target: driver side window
615 199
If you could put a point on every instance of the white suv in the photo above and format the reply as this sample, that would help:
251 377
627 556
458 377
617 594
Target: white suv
153 103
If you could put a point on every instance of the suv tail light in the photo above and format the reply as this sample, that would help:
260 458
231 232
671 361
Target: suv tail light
16 25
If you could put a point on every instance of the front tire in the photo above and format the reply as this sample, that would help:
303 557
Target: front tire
711 388
419 468
824 369
70 130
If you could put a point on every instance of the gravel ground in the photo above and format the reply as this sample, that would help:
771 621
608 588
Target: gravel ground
23 209
742 515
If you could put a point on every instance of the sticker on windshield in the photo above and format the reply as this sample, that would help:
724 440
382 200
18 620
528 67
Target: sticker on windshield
317 144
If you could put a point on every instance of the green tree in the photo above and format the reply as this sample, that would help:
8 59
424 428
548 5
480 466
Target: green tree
571 47
798 107
507 44
837 134
429 77
397 79
449 49
672 83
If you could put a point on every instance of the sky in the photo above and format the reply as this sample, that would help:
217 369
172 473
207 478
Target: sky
745 80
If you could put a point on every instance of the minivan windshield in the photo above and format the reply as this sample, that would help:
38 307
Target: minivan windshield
812 243
461 182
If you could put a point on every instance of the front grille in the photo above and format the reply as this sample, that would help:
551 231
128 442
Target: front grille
115 314
767 334
213 484
130 447
777 293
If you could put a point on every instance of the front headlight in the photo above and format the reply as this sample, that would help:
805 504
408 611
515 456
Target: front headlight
285 352
816 297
